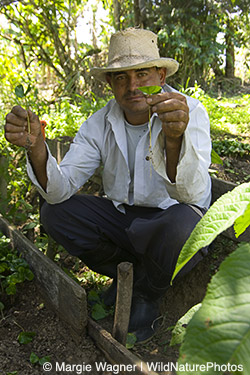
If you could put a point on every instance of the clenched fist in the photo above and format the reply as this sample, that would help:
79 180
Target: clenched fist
17 130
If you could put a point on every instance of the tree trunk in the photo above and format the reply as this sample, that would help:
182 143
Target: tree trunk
117 14
229 72
140 13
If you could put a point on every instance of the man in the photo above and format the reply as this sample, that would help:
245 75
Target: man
154 195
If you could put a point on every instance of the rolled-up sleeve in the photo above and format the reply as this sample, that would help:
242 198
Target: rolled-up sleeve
77 166
193 183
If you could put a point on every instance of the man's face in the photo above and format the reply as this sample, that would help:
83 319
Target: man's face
125 85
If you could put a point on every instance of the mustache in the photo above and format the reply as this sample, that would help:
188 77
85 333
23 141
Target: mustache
131 94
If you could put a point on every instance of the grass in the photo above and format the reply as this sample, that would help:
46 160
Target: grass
229 116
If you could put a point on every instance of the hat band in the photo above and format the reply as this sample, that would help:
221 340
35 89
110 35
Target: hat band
125 61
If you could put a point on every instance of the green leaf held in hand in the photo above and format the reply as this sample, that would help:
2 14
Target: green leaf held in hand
19 91
150 90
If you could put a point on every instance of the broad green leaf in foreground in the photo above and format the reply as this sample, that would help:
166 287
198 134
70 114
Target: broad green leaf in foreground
215 158
220 216
242 223
219 332
150 90
179 330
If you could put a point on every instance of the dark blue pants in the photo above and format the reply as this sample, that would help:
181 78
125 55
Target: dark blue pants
151 238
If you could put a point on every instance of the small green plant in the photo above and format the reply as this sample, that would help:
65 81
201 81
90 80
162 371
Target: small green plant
13 269
26 337
98 309
233 147
34 359
131 340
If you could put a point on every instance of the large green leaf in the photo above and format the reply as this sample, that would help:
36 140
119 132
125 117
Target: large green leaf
219 332
221 215
215 158
243 222
179 330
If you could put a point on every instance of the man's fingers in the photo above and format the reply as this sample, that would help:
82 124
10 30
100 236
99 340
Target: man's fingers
19 111
10 128
12 118
170 105
174 129
157 98
178 115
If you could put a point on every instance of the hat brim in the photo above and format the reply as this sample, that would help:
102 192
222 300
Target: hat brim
171 66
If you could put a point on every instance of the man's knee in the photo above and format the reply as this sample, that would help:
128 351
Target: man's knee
50 216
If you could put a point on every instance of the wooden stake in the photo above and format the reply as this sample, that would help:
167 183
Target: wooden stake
123 301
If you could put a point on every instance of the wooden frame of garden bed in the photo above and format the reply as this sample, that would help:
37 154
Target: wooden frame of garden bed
61 293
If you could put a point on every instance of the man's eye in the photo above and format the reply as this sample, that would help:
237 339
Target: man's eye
119 78
142 74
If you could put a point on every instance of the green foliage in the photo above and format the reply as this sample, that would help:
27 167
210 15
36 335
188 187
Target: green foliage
179 330
242 222
20 92
25 337
219 332
13 269
215 159
65 117
45 36
220 216
131 340
228 116
34 359
98 309
232 147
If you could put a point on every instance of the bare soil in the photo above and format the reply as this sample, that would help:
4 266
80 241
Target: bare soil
27 311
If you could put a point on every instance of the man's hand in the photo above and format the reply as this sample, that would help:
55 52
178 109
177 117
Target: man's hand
16 128
16 132
173 111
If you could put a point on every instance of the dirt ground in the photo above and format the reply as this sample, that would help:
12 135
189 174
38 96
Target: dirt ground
28 312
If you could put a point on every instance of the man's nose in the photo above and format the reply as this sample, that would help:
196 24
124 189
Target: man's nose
133 83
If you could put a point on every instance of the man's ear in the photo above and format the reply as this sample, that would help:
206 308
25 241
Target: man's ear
108 79
163 73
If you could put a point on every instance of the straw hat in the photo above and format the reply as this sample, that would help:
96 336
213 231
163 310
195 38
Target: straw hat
134 49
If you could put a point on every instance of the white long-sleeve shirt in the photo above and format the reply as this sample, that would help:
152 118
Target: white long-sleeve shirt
102 139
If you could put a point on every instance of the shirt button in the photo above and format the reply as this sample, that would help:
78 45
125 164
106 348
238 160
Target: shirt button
147 158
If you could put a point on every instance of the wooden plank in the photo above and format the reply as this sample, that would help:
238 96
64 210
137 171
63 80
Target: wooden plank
116 353
62 293
123 301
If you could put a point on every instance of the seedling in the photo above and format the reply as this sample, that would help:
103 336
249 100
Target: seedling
20 93
150 90
26 337
34 359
